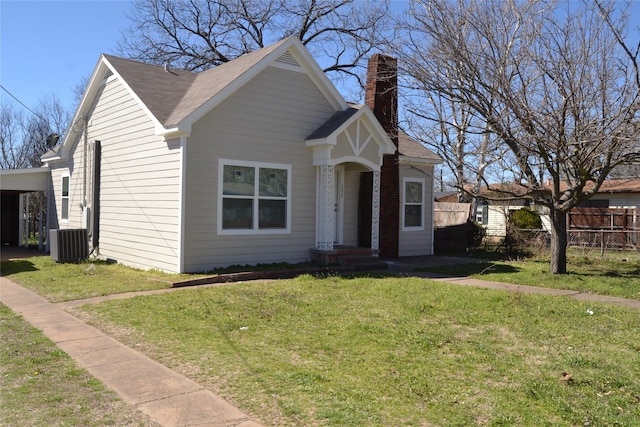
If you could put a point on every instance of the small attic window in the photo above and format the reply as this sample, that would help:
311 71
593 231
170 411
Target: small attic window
288 59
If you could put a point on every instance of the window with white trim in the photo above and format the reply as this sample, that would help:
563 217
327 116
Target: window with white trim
253 197
482 213
413 201
64 202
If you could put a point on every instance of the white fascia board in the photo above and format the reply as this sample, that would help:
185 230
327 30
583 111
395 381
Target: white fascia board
48 160
386 146
306 61
418 160
84 105
356 159
26 180
174 132
329 140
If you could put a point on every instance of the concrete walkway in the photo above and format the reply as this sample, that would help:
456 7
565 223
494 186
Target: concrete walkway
165 396
577 295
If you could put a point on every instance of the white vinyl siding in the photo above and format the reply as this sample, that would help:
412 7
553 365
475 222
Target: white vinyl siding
74 219
620 200
414 241
497 219
266 121
139 186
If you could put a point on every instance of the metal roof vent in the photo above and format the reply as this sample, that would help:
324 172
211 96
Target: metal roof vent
287 58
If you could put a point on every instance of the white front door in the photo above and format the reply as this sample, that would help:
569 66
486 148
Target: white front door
339 205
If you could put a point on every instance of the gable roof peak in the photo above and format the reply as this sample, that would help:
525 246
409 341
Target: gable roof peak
174 99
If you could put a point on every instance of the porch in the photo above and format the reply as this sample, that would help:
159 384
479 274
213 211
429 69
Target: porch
347 255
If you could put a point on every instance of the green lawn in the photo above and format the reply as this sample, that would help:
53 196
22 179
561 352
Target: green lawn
65 282
615 275
42 386
393 351
374 351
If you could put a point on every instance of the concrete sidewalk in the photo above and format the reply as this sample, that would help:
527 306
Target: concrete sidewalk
165 396
577 295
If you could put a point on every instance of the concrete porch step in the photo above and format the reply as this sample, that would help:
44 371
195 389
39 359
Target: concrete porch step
359 258
363 263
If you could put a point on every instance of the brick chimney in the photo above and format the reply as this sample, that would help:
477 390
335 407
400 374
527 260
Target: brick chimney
381 96
381 92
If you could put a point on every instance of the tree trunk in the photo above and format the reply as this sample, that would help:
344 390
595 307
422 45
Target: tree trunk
558 264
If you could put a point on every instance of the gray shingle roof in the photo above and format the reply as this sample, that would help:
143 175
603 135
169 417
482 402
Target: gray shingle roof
159 90
334 122
172 95
411 148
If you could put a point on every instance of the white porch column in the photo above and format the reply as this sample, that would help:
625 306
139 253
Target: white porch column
326 209
21 220
375 212
40 219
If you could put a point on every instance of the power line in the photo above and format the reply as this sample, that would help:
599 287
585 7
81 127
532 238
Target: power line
21 103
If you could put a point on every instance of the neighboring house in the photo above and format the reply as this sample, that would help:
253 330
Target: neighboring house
616 193
611 218
494 215
613 194
258 160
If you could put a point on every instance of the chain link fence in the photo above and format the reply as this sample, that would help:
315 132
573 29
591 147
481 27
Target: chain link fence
603 240
587 240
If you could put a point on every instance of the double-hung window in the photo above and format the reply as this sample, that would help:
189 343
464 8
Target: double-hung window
64 202
482 213
254 197
413 200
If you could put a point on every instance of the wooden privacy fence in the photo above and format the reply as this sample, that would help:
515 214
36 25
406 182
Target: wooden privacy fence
605 228
451 228
450 214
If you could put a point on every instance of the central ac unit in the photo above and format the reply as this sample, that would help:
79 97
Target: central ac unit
71 245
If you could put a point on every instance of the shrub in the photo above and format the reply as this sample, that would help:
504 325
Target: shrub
526 219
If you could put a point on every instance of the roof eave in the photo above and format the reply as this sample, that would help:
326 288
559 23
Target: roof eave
419 160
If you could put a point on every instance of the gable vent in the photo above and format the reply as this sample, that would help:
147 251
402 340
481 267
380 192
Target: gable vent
287 58
107 75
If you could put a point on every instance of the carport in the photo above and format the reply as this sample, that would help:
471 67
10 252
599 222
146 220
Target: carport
16 188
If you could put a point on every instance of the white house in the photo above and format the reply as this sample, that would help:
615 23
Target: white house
616 193
258 160
612 194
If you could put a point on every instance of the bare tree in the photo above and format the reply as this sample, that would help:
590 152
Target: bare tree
10 137
24 139
200 34
455 133
556 83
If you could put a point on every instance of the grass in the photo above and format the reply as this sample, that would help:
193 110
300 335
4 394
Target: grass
357 351
617 274
72 281
393 351
42 386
